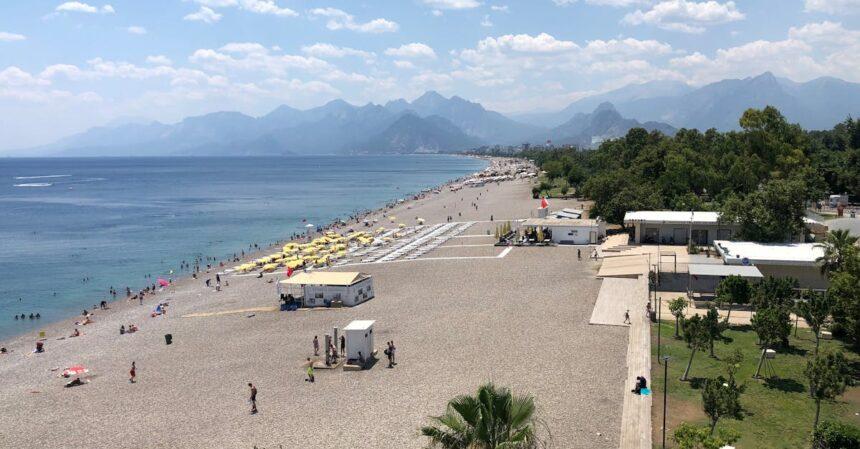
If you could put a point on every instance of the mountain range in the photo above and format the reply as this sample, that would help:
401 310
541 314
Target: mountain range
433 123
816 104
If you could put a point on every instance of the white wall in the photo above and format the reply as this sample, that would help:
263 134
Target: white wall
359 341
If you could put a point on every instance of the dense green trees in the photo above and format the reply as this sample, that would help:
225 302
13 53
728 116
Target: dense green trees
760 175
676 307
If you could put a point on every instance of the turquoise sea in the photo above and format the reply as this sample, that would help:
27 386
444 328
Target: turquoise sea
70 228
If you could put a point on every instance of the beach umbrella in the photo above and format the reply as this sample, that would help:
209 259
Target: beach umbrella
75 370
309 225
163 283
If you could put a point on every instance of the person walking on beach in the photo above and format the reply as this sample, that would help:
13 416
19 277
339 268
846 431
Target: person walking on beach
343 345
316 346
627 317
310 371
132 373
579 254
253 398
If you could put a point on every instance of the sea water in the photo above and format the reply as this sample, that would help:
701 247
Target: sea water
71 228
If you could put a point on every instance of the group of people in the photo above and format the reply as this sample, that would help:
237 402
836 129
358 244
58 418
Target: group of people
32 316
127 330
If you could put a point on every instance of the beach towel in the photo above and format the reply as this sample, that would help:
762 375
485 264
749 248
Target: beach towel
646 391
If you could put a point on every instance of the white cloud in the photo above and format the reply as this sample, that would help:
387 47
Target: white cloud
500 8
833 6
437 13
405 65
205 14
486 22
244 47
14 76
269 7
339 19
413 50
250 58
11 37
84 8
158 60
613 3
134 29
685 15
322 50
452 4
812 50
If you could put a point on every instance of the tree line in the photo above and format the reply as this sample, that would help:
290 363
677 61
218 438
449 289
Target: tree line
759 176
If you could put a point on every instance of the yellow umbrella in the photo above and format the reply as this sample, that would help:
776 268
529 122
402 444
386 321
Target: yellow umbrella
401 225
392 218
270 267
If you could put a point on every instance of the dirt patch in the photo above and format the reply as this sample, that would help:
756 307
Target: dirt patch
679 411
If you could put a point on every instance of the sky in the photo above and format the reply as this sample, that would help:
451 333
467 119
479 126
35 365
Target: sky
66 66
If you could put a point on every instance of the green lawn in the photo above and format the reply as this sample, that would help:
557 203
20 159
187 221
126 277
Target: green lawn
779 412
555 192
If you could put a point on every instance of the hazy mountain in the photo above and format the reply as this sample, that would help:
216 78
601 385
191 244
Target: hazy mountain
430 123
472 118
631 92
411 133
588 130
816 104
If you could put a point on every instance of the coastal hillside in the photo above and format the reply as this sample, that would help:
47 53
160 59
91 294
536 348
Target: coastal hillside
817 104
413 134
588 130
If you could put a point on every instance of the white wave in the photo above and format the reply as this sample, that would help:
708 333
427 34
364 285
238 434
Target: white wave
34 184
42 176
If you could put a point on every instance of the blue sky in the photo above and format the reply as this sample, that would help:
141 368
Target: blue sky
66 66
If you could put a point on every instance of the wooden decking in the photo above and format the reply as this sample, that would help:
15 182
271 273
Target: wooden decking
617 295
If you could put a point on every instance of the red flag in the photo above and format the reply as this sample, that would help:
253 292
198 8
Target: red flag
289 271
544 203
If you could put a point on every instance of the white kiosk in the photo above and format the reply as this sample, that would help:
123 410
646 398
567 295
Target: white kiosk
359 338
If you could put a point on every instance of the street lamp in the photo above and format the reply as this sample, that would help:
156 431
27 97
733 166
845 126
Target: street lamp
665 385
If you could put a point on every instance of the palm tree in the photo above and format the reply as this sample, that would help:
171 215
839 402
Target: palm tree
492 419
838 249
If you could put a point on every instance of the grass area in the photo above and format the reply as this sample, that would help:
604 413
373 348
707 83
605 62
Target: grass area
557 184
778 412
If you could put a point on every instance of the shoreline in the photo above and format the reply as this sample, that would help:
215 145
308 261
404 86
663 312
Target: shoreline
181 276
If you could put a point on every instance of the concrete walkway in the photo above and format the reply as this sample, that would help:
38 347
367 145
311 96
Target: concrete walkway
617 295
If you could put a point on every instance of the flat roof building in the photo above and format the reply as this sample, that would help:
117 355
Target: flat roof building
569 231
322 288
669 227
797 260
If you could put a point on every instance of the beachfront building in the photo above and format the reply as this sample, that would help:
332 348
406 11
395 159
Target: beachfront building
327 288
567 231
703 278
678 227
796 260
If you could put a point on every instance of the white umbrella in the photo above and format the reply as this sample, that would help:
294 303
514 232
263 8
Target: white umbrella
309 225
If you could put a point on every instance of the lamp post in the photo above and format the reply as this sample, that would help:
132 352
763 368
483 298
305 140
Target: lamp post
665 385
659 317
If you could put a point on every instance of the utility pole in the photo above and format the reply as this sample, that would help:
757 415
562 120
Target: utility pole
665 384
659 323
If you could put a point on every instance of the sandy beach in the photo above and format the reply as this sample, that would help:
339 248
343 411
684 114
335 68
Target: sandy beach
463 314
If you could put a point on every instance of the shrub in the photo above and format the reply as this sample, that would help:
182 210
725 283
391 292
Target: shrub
836 435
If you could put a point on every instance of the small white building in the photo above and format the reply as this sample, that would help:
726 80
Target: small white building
359 339
797 260
677 227
321 288
568 231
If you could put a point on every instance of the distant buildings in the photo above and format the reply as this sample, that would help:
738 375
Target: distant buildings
569 231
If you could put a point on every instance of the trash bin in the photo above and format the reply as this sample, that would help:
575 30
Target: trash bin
168 338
